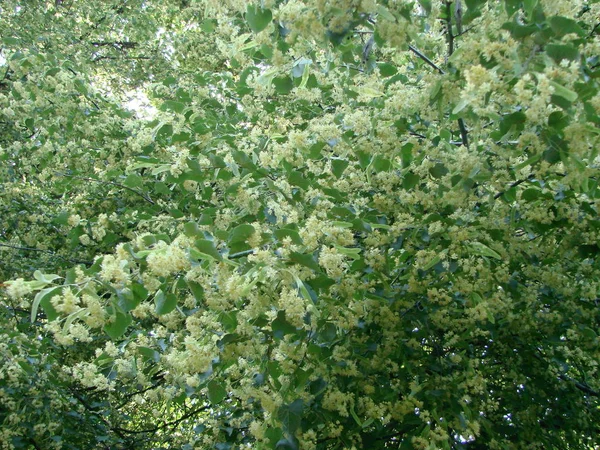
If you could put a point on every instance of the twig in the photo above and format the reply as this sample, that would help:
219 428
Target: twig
141 194
516 183
449 34
164 424
348 66
464 136
461 123
240 254
99 58
33 249
426 59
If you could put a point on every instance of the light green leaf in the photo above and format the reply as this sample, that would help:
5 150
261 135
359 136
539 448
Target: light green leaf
42 298
462 104
477 248
563 92
45 278
352 253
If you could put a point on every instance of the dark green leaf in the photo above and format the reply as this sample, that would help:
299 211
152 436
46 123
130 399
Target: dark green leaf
216 392
118 324
258 18
338 166
562 26
283 85
307 260
558 52
290 415
241 233
165 303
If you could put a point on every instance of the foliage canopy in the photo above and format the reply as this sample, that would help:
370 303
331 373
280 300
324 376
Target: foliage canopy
299 224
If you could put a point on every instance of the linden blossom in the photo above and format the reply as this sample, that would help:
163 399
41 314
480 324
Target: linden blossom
299 224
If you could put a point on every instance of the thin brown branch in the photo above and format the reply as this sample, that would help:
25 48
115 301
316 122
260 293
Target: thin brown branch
449 33
426 59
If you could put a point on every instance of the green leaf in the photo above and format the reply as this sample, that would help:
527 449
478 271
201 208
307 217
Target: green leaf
42 298
307 260
171 105
338 166
531 194
190 229
117 327
562 26
410 180
216 392
45 278
282 233
208 25
197 289
387 70
228 320
563 92
280 326
204 248
241 233
558 52
165 303
290 415
11 41
438 170
385 13
149 354
477 248
352 253
426 5
258 18
283 85
512 6
133 180
462 104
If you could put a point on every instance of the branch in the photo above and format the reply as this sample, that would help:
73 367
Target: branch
240 254
165 424
99 58
426 59
449 35
461 123
141 194
33 249
516 183
119 45
579 385
583 387
464 137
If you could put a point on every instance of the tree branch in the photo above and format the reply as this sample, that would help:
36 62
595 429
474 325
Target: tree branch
33 249
464 136
141 194
426 59
516 183
164 424
579 385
